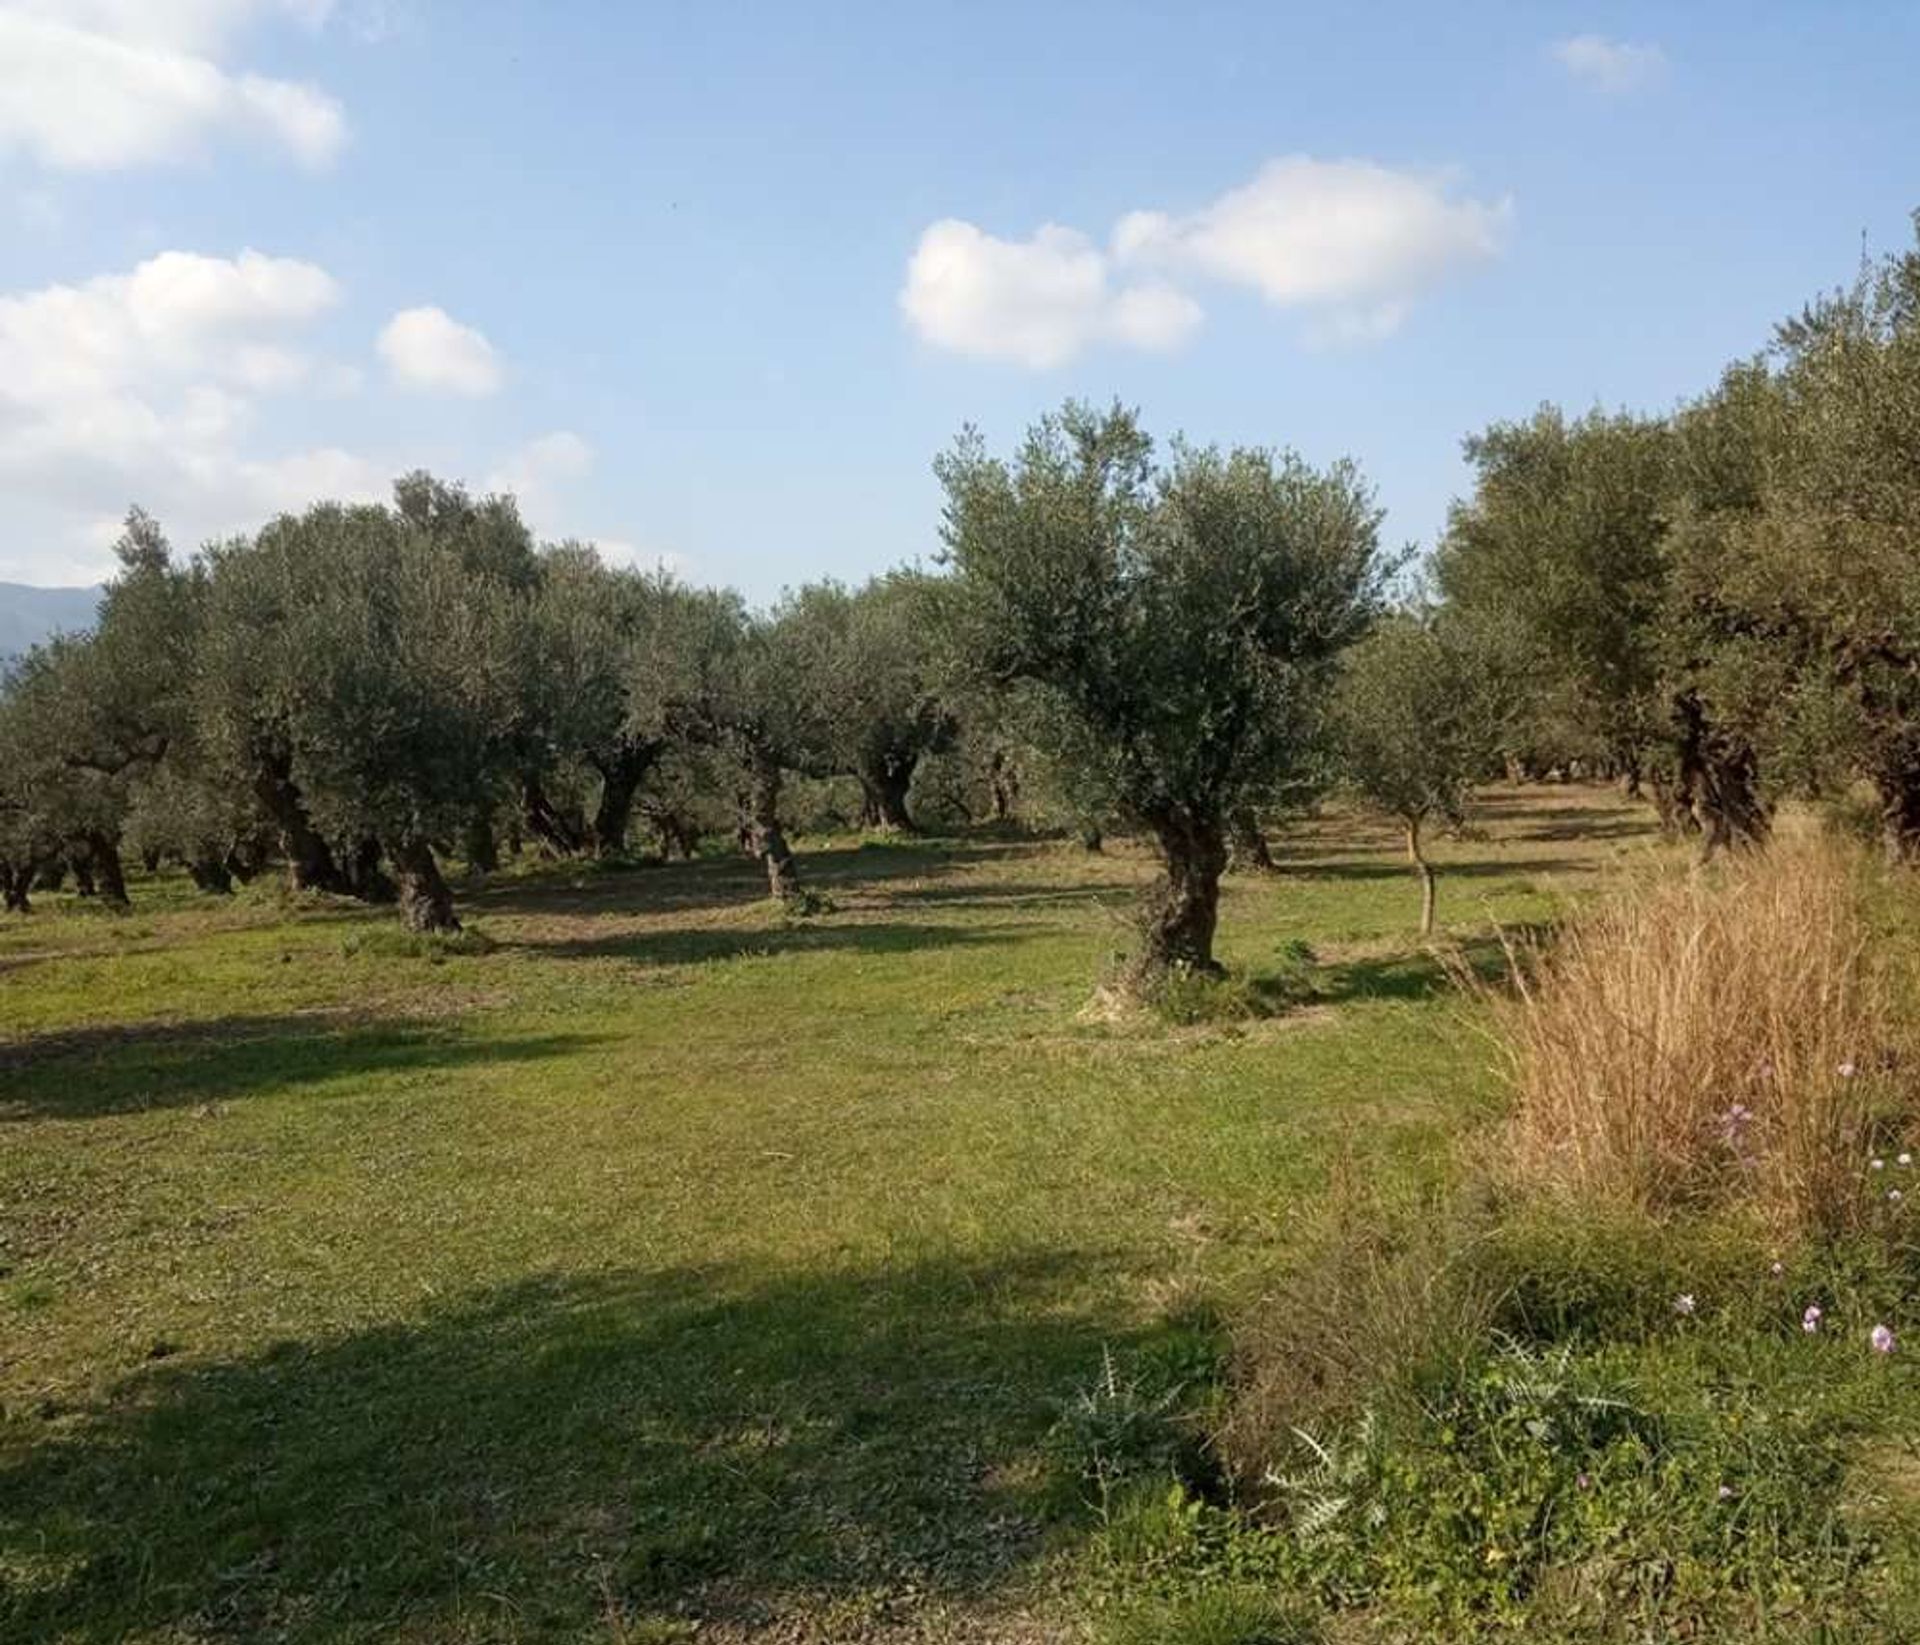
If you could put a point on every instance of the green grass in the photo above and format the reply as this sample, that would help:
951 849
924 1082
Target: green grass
658 1259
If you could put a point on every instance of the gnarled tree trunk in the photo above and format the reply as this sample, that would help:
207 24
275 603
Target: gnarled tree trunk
310 864
211 875
761 827
366 879
109 877
1897 779
621 775
1720 774
1250 852
546 822
481 850
886 782
426 901
1184 907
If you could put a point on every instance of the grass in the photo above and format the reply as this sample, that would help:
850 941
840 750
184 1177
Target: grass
659 1260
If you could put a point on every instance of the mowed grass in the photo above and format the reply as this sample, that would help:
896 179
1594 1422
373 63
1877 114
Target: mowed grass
656 1260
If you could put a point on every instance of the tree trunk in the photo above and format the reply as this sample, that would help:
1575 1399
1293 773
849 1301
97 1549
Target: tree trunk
1184 907
248 857
551 826
482 851
1898 782
620 779
103 858
1250 852
1005 782
310 864
1425 870
885 784
1720 775
48 874
1092 840
366 879
16 881
211 874
426 902
83 885
762 828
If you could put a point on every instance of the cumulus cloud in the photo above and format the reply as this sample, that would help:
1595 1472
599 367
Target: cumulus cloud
101 85
147 386
1613 66
1350 243
428 350
1036 302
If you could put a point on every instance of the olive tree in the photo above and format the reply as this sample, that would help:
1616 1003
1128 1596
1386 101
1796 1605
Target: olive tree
1417 725
869 659
1177 626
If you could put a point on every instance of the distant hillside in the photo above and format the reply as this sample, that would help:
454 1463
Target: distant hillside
29 614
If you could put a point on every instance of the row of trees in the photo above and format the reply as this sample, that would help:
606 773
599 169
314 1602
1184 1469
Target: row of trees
354 692
1718 607
1721 606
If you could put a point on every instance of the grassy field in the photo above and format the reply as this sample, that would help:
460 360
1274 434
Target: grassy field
654 1261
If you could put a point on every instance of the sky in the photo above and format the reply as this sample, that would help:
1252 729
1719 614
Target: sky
711 285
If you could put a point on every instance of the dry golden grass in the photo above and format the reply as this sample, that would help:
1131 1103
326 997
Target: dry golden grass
1722 1039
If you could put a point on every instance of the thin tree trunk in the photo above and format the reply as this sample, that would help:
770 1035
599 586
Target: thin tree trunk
310 863
426 901
1425 870
1005 783
1093 840
16 881
764 837
1184 907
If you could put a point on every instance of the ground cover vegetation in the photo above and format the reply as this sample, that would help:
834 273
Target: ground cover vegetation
949 1108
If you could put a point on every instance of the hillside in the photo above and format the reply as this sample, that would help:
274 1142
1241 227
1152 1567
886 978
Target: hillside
28 614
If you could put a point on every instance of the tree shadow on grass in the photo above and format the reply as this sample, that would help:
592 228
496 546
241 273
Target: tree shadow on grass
1338 863
667 888
697 945
114 1069
527 1462
1420 974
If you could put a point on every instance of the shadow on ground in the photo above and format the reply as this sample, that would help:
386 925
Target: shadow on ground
697 945
114 1069
533 1461
711 882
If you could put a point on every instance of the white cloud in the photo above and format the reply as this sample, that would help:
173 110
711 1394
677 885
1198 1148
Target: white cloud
1351 243
1613 66
99 85
541 465
1036 302
427 349
147 386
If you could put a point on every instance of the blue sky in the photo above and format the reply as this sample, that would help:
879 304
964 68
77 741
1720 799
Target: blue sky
713 284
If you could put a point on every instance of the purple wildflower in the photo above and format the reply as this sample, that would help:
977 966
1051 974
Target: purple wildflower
1881 1339
1810 1320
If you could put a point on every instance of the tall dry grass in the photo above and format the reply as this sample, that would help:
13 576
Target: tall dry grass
1722 1040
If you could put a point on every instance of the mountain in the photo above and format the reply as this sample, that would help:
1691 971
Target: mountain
30 614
